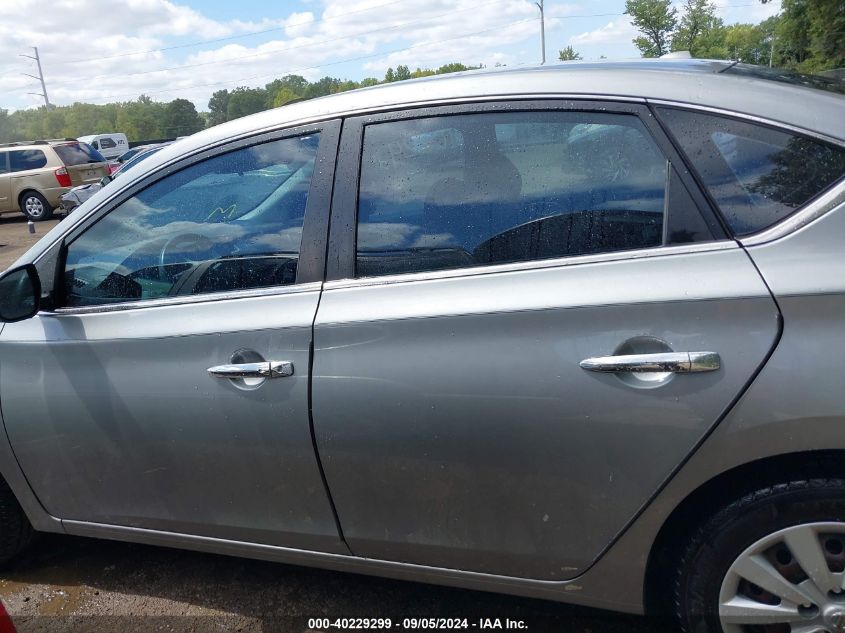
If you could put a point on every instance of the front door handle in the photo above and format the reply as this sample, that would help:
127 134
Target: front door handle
264 369
674 362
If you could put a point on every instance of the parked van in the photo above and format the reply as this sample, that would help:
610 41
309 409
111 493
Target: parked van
35 174
109 145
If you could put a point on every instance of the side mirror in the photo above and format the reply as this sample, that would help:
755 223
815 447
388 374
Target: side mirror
20 294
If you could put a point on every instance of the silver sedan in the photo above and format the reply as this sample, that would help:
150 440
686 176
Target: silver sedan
570 333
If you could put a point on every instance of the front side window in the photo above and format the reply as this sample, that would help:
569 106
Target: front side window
470 190
26 159
757 175
4 159
231 222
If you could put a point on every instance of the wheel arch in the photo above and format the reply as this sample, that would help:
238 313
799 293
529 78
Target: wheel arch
716 492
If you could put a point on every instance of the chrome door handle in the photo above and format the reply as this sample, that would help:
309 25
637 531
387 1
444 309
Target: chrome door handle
675 362
264 369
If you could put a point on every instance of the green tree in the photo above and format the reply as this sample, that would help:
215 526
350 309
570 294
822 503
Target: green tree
181 118
810 35
454 67
322 87
656 20
244 101
283 96
748 43
402 73
369 81
422 72
700 31
389 76
218 107
568 54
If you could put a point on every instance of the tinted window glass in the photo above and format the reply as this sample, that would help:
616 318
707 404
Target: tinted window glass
469 190
78 154
107 143
24 159
756 175
4 158
232 222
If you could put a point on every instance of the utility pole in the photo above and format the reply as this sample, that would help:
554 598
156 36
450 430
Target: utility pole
542 31
40 77
772 50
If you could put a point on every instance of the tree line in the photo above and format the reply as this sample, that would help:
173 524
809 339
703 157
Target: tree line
145 119
806 36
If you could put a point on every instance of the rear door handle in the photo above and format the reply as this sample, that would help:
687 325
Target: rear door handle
264 369
674 362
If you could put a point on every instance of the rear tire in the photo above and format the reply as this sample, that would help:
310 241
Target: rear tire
16 533
35 206
748 537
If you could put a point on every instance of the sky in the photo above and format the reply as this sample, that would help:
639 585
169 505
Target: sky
99 52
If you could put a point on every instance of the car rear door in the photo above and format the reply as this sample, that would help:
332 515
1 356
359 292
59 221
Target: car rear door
500 277
169 390
83 165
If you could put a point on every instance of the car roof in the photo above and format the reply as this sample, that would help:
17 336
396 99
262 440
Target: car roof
684 81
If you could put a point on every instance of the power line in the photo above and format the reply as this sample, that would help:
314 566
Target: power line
317 66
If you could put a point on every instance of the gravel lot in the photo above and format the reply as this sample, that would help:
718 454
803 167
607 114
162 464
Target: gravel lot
74 584
15 238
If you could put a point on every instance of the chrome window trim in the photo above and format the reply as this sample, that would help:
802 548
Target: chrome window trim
560 262
187 300
826 202
748 117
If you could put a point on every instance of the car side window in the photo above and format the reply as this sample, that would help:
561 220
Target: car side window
757 175
4 162
107 143
231 222
469 190
26 159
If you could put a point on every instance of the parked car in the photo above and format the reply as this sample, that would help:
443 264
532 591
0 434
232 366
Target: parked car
109 145
125 156
34 175
572 333
76 196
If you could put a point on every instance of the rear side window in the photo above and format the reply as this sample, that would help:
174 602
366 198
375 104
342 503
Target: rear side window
107 143
78 154
470 190
4 162
25 159
757 175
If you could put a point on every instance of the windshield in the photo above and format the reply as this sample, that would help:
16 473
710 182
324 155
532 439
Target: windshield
78 154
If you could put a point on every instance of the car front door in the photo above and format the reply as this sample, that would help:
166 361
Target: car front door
480 401
169 388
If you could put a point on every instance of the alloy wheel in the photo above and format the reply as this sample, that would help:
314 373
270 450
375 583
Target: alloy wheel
792 581
34 207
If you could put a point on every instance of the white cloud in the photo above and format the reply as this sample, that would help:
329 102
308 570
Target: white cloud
614 31
85 49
